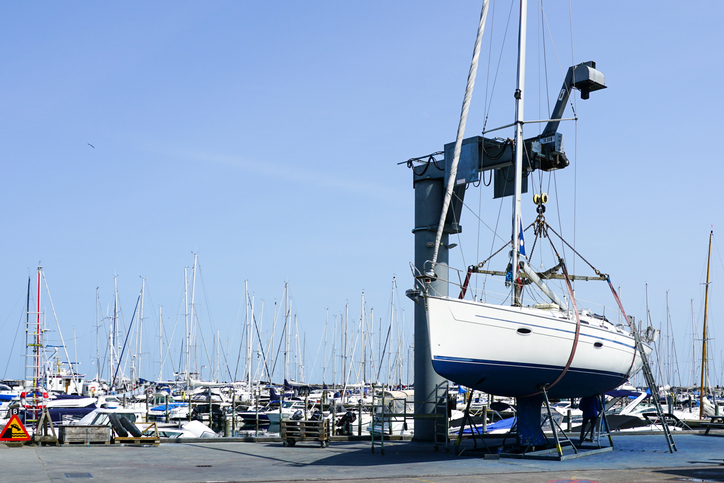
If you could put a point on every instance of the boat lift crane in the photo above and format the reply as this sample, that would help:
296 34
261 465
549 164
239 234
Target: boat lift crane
478 154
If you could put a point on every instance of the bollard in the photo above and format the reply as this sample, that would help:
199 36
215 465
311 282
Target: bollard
189 407
281 403
372 424
404 417
568 420
256 405
233 412
334 417
382 429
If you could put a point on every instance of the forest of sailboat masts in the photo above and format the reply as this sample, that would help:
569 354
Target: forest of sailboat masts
350 346
677 361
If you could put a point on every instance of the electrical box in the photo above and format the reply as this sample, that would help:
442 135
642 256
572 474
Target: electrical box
469 162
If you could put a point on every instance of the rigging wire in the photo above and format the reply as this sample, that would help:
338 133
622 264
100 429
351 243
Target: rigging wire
492 242
716 250
488 94
17 329
169 340
570 22
241 336
459 238
558 207
494 231
210 320
500 58
575 186
545 57
261 345
123 350
480 210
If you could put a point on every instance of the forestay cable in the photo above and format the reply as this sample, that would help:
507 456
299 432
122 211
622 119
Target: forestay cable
461 132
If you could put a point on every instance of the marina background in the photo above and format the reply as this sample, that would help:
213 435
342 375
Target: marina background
265 138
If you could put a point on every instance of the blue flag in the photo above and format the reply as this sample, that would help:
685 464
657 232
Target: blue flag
521 246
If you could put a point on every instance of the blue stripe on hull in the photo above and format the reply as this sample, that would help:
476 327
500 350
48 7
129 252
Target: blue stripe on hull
512 379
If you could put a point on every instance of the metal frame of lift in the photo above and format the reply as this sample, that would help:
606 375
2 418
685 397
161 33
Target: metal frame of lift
554 450
561 441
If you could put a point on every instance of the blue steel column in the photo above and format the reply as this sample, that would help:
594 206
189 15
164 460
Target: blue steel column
429 194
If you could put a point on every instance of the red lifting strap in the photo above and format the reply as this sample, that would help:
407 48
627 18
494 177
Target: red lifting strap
464 288
575 338
632 327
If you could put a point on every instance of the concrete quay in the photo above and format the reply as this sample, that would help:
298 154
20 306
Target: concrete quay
635 458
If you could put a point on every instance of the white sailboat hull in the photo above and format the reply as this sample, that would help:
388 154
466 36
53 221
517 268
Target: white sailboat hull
514 351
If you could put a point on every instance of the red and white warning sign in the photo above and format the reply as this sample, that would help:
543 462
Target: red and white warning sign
14 431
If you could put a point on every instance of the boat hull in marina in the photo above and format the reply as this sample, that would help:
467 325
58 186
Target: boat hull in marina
251 417
514 351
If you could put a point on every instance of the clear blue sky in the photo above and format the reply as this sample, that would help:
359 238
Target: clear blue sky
265 137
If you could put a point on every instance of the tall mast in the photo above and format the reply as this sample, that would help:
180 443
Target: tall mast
517 219
703 341
98 350
669 341
392 333
139 328
324 352
114 326
371 325
299 352
249 340
186 322
191 314
334 353
400 335
160 343
37 338
346 329
286 331
30 349
246 329
270 344
363 337
380 352
259 330
693 345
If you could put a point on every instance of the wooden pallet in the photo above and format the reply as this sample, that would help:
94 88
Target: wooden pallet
292 431
143 440
85 434
86 444
149 429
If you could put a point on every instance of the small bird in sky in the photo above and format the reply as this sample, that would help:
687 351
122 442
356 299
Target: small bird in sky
89 144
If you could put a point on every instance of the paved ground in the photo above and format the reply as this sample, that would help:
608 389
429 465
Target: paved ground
643 458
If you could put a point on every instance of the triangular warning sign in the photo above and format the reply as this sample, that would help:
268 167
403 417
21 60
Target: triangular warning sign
14 431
